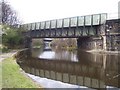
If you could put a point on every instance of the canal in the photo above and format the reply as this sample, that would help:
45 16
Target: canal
77 68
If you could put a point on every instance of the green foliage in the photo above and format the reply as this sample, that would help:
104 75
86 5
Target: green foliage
4 49
66 43
12 37
36 42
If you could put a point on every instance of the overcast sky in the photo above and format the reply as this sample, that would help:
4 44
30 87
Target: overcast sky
40 10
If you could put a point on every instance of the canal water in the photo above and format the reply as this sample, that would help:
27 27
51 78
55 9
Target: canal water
71 69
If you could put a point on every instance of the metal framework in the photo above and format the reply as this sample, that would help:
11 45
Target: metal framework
68 27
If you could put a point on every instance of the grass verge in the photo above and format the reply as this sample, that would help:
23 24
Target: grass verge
12 76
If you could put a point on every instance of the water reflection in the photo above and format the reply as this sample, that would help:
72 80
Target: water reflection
79 68
47 55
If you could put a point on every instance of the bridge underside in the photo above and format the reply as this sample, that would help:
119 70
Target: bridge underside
84 34
74 32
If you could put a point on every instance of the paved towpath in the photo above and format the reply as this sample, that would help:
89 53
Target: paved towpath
7 55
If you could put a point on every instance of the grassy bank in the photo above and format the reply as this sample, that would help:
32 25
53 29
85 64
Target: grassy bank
12 77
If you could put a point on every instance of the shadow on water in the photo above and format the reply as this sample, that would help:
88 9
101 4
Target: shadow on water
77 67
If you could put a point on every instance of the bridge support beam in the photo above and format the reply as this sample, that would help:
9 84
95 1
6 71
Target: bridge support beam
28 42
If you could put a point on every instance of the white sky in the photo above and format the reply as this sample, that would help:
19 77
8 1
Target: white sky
40 10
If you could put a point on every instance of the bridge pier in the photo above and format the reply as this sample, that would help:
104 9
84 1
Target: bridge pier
28 42
90 43
47 43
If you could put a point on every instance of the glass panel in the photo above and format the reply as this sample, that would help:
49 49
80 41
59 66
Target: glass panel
38 25
96 19
103 18
74 21
59 23
53 23
88 20
47 24
66 22
42 25
81 21
29 26
33 26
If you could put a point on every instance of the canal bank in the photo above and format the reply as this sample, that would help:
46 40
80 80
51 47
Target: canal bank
103 51
12 75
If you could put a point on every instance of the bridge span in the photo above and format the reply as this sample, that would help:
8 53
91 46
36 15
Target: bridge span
79 26
92 31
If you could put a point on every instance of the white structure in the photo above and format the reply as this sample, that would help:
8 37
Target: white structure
119 9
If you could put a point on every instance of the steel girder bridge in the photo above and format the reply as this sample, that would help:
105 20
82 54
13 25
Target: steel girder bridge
80 26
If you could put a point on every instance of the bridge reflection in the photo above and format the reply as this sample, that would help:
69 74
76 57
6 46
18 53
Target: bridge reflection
93 71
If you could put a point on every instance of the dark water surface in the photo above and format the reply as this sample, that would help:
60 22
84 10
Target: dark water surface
73 67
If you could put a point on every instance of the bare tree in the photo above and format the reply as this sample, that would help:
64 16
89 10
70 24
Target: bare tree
9 16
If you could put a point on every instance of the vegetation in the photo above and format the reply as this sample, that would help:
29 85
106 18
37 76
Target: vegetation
64 43
9 16
4 49
12 76
37 43
12 37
